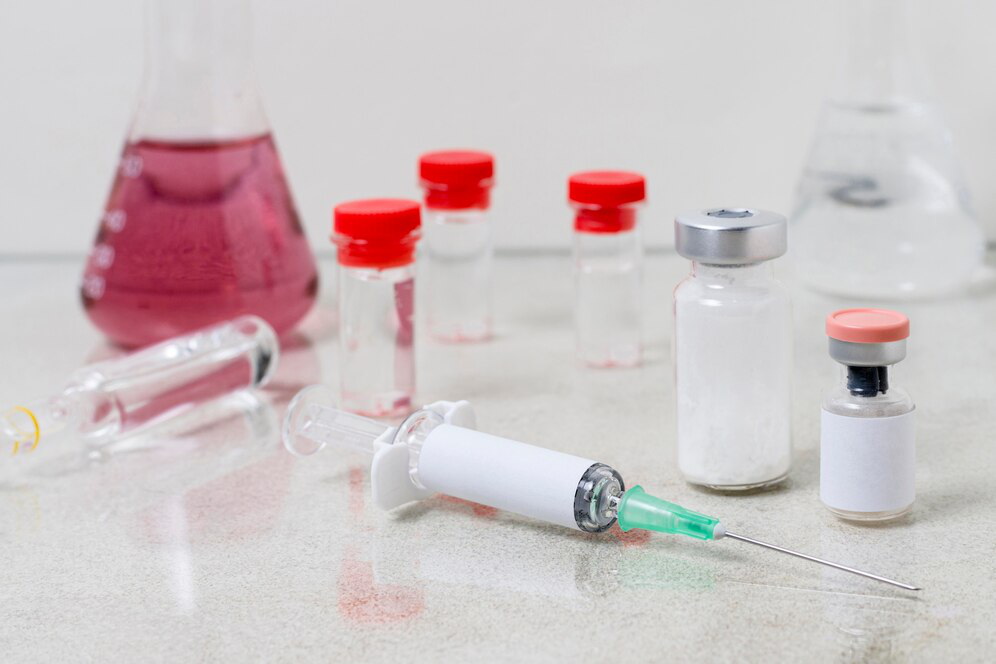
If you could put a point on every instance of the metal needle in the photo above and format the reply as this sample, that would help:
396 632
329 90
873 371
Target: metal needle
845 568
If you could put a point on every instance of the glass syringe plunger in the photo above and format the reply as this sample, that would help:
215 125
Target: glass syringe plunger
108 400
437 450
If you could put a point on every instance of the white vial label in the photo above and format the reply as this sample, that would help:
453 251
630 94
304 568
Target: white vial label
867 464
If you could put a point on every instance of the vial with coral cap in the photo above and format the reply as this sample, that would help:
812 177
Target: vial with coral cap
868 438
376 251
458 243
608 260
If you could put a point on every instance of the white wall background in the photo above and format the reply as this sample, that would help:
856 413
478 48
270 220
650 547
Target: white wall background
714 100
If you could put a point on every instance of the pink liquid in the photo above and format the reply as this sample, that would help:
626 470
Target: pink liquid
196 233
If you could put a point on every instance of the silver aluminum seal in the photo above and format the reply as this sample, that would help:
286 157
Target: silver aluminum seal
731 236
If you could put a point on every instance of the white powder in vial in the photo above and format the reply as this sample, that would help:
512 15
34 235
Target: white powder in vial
732 358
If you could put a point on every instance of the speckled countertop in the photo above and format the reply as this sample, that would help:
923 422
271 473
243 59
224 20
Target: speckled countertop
207 541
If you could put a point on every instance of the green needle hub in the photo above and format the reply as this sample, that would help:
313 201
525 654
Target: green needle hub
638 509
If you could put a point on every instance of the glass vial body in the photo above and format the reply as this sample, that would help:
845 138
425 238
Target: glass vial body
376 340
608 298
608 267
876 419
458 243
376 241
459 255
733 363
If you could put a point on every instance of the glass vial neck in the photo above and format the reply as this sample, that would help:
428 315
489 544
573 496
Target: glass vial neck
877 70
732 273
199 82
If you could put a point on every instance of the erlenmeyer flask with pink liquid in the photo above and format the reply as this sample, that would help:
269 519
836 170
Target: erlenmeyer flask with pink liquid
199 225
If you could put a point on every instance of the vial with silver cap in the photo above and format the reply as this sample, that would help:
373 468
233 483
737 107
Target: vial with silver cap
867 434
732 351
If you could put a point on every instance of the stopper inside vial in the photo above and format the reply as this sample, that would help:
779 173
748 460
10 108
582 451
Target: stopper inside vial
867 381
731 213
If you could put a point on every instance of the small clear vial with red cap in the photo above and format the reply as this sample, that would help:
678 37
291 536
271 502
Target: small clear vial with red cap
867 432
376 241
608 267
458 245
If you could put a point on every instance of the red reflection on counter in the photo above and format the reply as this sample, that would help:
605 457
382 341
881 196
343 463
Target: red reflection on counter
362 600
483 511
635 538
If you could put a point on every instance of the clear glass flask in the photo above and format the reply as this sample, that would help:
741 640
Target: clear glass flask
199 225
867 432
376 241
732 351
881 207
608 267
110 400
458 243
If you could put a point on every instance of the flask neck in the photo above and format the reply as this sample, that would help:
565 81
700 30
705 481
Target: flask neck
199 82
877 70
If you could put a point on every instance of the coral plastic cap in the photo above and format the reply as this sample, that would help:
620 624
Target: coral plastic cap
868 326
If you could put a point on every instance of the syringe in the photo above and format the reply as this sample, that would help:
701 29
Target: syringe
109 400
437 450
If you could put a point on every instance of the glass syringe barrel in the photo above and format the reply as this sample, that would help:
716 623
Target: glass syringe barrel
110 399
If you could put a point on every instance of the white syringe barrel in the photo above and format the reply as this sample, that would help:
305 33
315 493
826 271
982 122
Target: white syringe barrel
513 476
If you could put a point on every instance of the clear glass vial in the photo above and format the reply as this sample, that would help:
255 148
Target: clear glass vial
458 243
608 267
732 351
867 433
376 251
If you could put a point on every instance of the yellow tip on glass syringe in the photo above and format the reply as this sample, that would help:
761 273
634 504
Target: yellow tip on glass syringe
104 402
437 450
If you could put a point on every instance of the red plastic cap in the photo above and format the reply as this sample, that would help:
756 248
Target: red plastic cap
377 232
456 179
868 326
606 188
604 200
456 167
